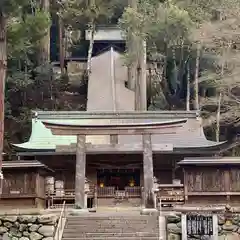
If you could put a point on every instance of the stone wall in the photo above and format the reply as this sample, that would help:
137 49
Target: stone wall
228 229
174 228
28 227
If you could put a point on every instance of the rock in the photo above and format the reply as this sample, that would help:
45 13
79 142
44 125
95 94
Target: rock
16 224
24 238
50 219
173 228
229 228
15 232
35 236
22 227
5 236
236 219
26 233
3 230
27 219
48 238
221 237
12 219
8 224
14 238
232 236
173 219
179 225
221 220
34 228
46 231
172 236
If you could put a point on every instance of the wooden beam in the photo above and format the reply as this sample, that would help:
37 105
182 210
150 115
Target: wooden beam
148 171
80 172
116 148
66 130
114 130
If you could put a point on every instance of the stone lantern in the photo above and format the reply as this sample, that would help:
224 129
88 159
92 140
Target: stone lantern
86 191
155 190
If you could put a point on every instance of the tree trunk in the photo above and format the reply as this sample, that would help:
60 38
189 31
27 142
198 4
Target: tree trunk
143 77
132 51
61 45
218 118
188 88
90 49
44 55
3 66
196 100
114 137
137 89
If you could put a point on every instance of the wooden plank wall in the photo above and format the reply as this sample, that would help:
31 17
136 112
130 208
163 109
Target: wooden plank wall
212 185
22 182
206 180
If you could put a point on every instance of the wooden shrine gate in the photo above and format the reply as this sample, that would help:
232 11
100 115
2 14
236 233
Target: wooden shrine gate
113 128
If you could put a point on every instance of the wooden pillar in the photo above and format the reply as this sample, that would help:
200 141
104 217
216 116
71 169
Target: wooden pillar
80 172
148 171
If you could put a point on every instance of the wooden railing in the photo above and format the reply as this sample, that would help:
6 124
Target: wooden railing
105 191
61 224
133 191
95 192
130 192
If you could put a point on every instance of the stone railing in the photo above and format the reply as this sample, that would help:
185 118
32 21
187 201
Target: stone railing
28 226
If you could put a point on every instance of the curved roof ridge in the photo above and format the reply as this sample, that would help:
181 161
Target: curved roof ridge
109 114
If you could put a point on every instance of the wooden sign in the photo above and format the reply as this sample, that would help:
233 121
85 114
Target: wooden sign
200 225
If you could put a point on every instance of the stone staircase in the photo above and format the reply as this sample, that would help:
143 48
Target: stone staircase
117 227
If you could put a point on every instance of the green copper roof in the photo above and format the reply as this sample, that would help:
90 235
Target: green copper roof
43 139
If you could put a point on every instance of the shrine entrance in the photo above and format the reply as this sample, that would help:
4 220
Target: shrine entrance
118 178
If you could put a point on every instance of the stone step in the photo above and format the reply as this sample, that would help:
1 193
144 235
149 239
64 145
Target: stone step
114 231
111 228
92 229
112 238
112 234
108 223
137 218
80 222
112 223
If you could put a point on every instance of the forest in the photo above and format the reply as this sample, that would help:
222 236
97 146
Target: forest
192 49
